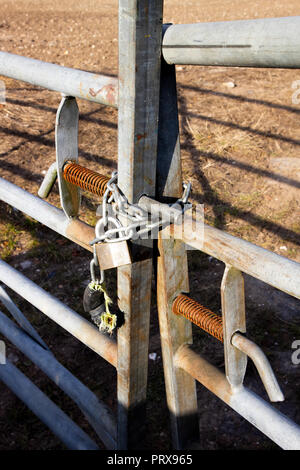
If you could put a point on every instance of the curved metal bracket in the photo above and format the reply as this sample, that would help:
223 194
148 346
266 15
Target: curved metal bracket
262 365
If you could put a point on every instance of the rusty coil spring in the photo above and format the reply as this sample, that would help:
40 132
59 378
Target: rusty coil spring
199 315
86 179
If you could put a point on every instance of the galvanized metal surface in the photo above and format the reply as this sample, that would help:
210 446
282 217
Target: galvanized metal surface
164 211
237 350
169 178
66 144
140 30
172 279
71 82
48 181
60 313
33 206
262 364
113 255
20 318
268 42
263 416
96 412
172 272
56 420
47 214
233 319
276 270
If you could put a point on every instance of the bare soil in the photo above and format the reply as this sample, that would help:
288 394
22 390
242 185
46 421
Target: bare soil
240 149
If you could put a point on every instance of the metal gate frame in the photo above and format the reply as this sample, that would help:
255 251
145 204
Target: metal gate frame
148 163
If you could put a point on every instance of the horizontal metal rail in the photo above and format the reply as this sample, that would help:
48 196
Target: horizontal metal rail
213 325
44 408
269 42
254 409
273 269
72 82
96 412
47 214
20 318
63 315
251 259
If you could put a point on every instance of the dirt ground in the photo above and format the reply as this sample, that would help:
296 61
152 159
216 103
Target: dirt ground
240 150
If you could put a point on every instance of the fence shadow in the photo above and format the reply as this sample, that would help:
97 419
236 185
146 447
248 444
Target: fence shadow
187 143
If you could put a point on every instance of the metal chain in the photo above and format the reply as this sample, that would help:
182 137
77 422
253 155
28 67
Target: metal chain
121 207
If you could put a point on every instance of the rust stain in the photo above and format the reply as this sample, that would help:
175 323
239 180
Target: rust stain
141 136
148 180
80 233
199 315
108 92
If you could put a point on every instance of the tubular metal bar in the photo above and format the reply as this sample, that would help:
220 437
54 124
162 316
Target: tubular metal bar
260 414
71 82
262 365
47 214
20 318
48 181
212 324
268 42
64 316
260 263
44 408
96 412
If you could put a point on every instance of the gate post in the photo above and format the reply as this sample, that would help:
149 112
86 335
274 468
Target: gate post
172 272
140 35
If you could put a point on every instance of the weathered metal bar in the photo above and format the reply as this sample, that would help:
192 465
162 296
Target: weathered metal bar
49 413
233 319
71 82
66 145
249 348
276 270
47 214
96 412
172 278
140 30
48 181
212 324
172 270
260 414
82 329
20 318
268 42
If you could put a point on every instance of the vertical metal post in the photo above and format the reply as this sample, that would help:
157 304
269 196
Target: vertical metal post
66 142
140 31
234 319
172 272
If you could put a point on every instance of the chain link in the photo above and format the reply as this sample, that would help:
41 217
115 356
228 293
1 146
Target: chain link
138 217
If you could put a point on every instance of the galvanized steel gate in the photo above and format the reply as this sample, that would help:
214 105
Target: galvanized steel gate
149 163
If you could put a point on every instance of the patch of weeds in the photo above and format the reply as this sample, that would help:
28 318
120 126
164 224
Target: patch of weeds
292 253
296 228
248 200
9 240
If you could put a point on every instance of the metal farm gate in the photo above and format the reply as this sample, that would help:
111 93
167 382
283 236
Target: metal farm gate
149 176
